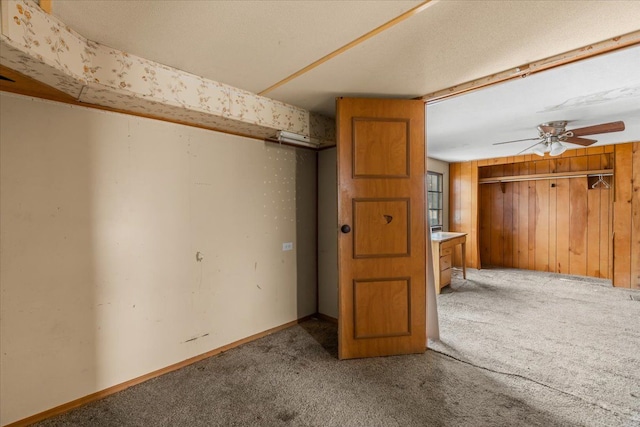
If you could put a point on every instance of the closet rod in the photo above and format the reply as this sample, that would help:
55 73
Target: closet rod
535 177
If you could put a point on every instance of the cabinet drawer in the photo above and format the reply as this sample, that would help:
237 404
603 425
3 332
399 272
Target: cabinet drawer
445 277
445 262
446 251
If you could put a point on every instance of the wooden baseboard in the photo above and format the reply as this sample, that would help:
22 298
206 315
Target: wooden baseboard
327 318
65 407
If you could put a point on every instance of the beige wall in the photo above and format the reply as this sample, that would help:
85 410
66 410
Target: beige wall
328 233
439 166
102 216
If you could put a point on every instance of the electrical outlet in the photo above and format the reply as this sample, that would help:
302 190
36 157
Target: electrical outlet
287 246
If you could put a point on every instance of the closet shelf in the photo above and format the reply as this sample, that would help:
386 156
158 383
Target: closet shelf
554 175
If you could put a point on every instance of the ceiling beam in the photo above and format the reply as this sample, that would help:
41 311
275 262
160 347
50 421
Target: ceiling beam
526 70
398 19
15 82
77 73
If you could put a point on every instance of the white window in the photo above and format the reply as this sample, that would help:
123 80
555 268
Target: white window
434 198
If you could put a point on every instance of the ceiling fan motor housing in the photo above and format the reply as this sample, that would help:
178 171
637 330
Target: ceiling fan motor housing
552 128
554 133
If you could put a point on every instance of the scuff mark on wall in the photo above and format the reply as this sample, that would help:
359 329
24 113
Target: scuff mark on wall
195 338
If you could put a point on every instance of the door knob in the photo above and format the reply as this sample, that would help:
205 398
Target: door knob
345 229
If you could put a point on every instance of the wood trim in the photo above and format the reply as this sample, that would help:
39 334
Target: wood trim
24 85
554 175
179 122
27 86
65 407
46 6
595 49
635 216
274 141
317 250
398 19
35 89
473 248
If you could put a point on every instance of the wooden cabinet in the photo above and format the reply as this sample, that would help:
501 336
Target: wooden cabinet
442 244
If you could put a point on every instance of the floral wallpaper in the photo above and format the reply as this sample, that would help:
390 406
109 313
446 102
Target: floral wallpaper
38 45
322 128
15 59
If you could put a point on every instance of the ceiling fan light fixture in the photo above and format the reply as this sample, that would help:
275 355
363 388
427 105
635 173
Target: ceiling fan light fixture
557 148
540 149
552 137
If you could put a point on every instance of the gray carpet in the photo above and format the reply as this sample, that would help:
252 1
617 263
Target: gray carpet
518 348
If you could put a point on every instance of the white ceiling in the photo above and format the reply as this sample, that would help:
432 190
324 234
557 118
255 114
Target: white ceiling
598 90
246 44
255 44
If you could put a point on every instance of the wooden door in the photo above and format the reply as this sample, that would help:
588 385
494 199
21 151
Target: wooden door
381 215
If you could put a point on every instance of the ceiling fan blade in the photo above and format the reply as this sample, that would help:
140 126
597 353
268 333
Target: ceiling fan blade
548 129
515 140
529 148
596 129
580 141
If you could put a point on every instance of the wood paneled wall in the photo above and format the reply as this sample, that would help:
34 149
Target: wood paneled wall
463 209
626 216
559 225
532 198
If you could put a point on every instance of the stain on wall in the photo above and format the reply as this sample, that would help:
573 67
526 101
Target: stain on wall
102 216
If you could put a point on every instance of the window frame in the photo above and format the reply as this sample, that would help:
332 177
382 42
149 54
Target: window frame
440 196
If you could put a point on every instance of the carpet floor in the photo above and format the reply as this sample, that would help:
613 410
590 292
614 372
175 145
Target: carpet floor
517 348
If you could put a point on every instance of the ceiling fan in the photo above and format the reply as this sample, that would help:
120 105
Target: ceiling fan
551 135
